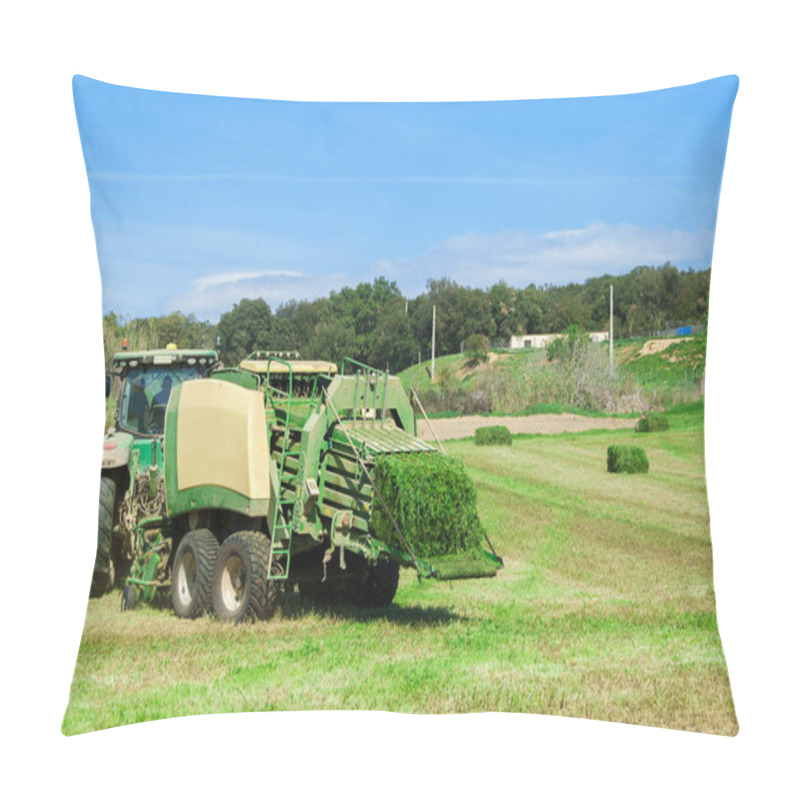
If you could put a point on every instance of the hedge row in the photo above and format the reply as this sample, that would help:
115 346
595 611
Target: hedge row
652 422
493 434
627 458
433 501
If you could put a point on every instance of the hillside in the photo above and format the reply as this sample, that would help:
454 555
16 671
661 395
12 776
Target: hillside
650 373
663 361
457 368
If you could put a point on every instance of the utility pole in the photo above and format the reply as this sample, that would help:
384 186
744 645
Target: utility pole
611 333
433 348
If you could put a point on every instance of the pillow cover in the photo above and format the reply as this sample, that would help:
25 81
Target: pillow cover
297 293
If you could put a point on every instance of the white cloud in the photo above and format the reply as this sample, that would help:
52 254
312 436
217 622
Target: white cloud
223 278
518 257
570 255
212 295
206 271
157 269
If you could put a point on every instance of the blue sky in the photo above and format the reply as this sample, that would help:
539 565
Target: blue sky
200 201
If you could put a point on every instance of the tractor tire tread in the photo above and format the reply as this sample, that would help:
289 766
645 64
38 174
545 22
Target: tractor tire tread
254 549
206 548
102 575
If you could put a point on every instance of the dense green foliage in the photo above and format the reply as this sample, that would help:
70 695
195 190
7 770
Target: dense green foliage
375 324
244 329
570 353
476 349
433 502
627 458
493 434
652 422
517 381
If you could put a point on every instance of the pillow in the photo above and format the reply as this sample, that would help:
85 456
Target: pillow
296 293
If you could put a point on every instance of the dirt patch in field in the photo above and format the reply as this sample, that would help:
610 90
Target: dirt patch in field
461 427
657 345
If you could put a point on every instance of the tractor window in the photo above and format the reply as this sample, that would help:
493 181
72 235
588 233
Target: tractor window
145 393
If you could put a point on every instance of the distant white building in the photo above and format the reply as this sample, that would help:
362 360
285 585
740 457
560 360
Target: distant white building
541 340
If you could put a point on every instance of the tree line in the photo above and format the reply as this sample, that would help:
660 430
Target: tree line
375 324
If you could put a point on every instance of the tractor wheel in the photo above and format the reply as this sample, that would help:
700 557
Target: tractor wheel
241 590
373 584
103 575
192 572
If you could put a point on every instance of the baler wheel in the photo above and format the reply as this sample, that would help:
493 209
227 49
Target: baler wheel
241 590
128 602
374 584
192 573
103 575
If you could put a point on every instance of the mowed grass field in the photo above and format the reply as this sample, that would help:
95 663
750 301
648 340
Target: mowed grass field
605 610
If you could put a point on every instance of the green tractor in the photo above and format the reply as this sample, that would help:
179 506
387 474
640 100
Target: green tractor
131 453
263 479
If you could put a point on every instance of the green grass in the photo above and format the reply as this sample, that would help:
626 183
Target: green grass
513 362
418 375
605 610
681 364
561 408
538 408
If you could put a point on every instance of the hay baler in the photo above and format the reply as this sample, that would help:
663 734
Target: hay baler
268 481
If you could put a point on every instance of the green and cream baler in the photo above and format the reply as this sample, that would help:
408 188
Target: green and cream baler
283 472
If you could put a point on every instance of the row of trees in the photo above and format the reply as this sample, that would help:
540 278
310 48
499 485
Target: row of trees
374 323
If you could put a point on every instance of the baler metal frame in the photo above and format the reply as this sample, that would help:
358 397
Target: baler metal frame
321 441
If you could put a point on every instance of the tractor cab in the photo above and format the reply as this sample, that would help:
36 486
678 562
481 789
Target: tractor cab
148 377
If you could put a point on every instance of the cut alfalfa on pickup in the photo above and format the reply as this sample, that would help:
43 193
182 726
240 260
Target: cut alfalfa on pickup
627 458
433 501
493 434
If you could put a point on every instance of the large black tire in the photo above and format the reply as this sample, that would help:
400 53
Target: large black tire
241 590
192 573
103 575
372 584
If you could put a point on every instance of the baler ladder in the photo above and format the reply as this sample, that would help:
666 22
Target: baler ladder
278 521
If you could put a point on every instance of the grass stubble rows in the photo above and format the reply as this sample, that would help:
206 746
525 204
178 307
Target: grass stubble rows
605 610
